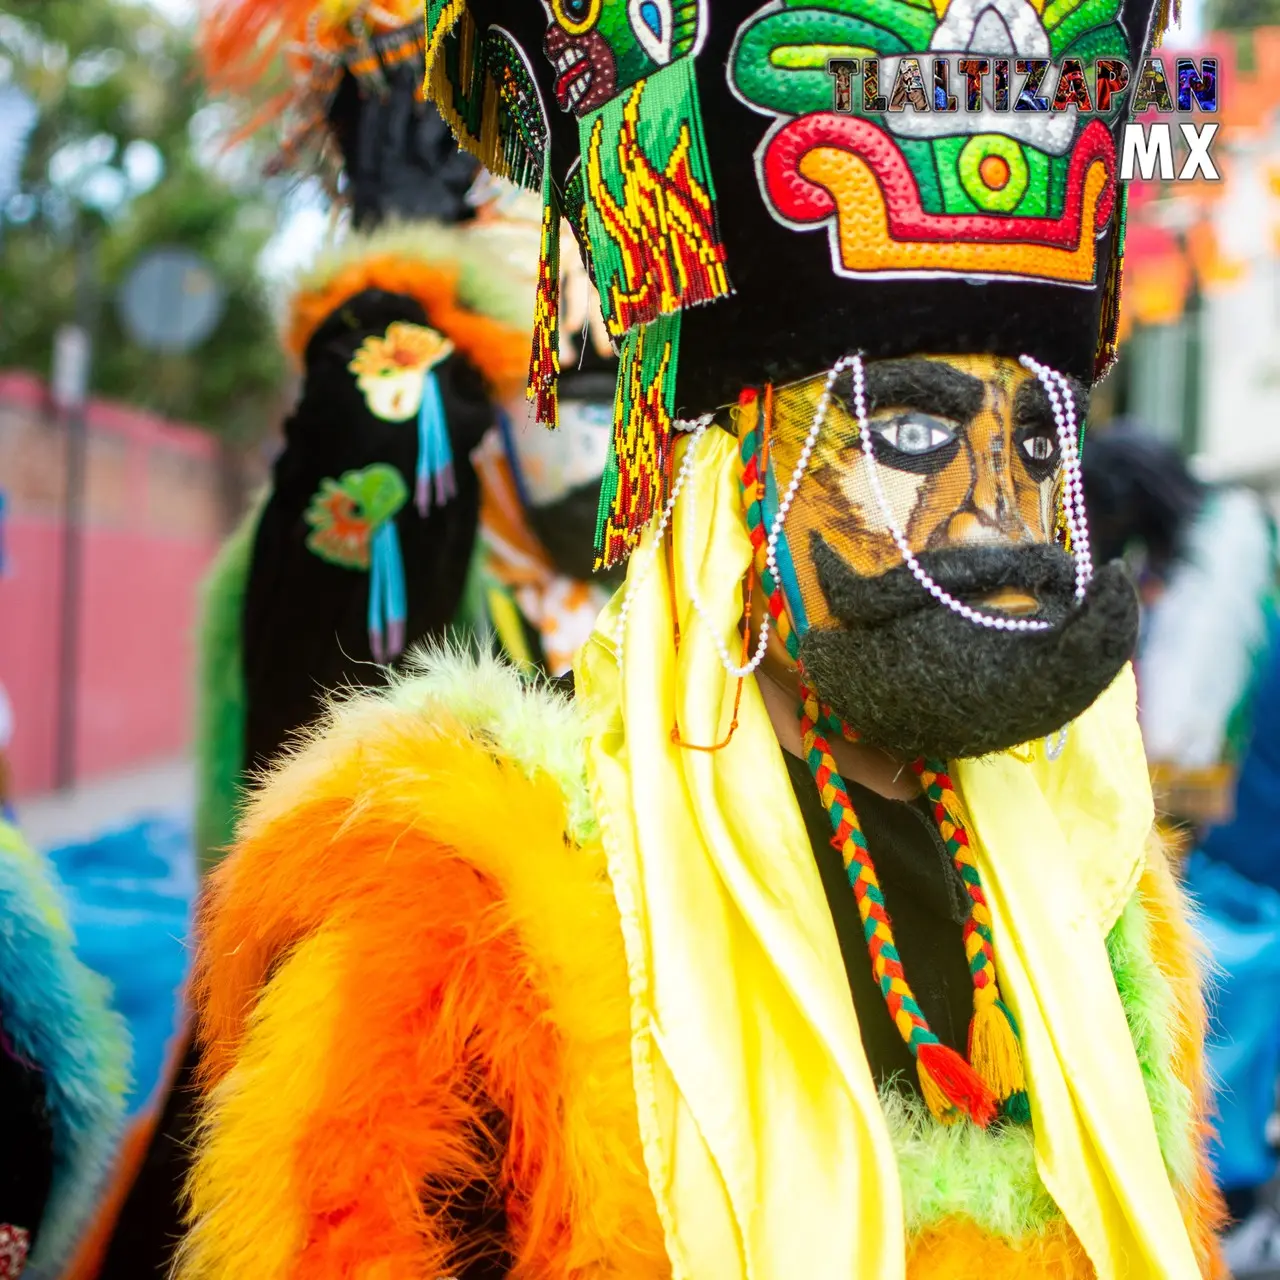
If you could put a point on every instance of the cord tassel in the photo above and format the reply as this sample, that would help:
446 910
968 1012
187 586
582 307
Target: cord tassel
544 357
993 1048
951 1088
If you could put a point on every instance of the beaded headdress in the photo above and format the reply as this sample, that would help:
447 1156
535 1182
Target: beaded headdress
752 213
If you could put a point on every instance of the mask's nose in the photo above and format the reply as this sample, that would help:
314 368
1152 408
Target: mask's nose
991 516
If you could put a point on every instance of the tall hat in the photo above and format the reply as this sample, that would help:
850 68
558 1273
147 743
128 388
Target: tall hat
746 221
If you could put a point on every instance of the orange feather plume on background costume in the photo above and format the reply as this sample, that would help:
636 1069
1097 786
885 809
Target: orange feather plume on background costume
287 57
240 39
500 353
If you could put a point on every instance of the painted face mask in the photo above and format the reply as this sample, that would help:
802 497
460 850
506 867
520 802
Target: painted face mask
966 466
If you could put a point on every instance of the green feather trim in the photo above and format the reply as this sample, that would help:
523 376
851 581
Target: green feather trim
989 1175
986 1175
1149 1006
220 696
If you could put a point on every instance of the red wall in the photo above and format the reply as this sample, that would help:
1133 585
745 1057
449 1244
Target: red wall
152 528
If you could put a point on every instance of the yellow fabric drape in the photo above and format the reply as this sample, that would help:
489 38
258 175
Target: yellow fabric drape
766 1148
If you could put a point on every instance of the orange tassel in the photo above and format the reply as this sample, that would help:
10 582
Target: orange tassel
951 1088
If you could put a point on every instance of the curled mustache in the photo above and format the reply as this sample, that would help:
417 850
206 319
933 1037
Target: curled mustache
917 679
968 573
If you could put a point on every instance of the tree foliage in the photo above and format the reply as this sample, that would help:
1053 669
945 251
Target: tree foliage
125 157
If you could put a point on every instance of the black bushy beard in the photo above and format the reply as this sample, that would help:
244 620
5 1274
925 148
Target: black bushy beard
914 677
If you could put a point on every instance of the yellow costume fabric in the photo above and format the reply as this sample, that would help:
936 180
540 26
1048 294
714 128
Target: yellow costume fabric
766 1147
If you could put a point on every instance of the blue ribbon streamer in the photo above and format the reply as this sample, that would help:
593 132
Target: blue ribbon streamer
387 608
435 454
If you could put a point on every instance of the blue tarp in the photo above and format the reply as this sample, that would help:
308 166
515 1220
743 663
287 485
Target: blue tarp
1240 922
1250 841
131 893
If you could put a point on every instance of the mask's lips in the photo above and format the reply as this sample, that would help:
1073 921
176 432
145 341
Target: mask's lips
979 576
1008 600
586 75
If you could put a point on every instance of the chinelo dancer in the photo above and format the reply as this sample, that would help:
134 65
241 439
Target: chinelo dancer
820 932
379 530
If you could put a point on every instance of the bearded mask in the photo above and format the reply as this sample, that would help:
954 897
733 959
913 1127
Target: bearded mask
967 469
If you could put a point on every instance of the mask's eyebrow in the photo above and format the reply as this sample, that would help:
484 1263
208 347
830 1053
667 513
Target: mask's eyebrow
1031 403
927 385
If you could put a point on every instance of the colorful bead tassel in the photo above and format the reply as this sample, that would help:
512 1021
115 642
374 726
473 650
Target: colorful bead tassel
650 201
544 359
386 595
637 474
435 453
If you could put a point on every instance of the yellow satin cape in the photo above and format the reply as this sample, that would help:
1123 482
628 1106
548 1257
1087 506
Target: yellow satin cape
766 1147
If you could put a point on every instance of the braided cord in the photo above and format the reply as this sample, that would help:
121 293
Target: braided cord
753 494
850 840
949 1085
993 1078
978 945
993 1035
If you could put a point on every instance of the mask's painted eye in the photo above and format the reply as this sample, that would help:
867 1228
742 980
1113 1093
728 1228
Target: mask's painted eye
577 17
914 433
1038 445
1039 448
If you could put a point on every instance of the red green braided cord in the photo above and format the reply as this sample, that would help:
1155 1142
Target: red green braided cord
979 944
948 1083
886 964
753 490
